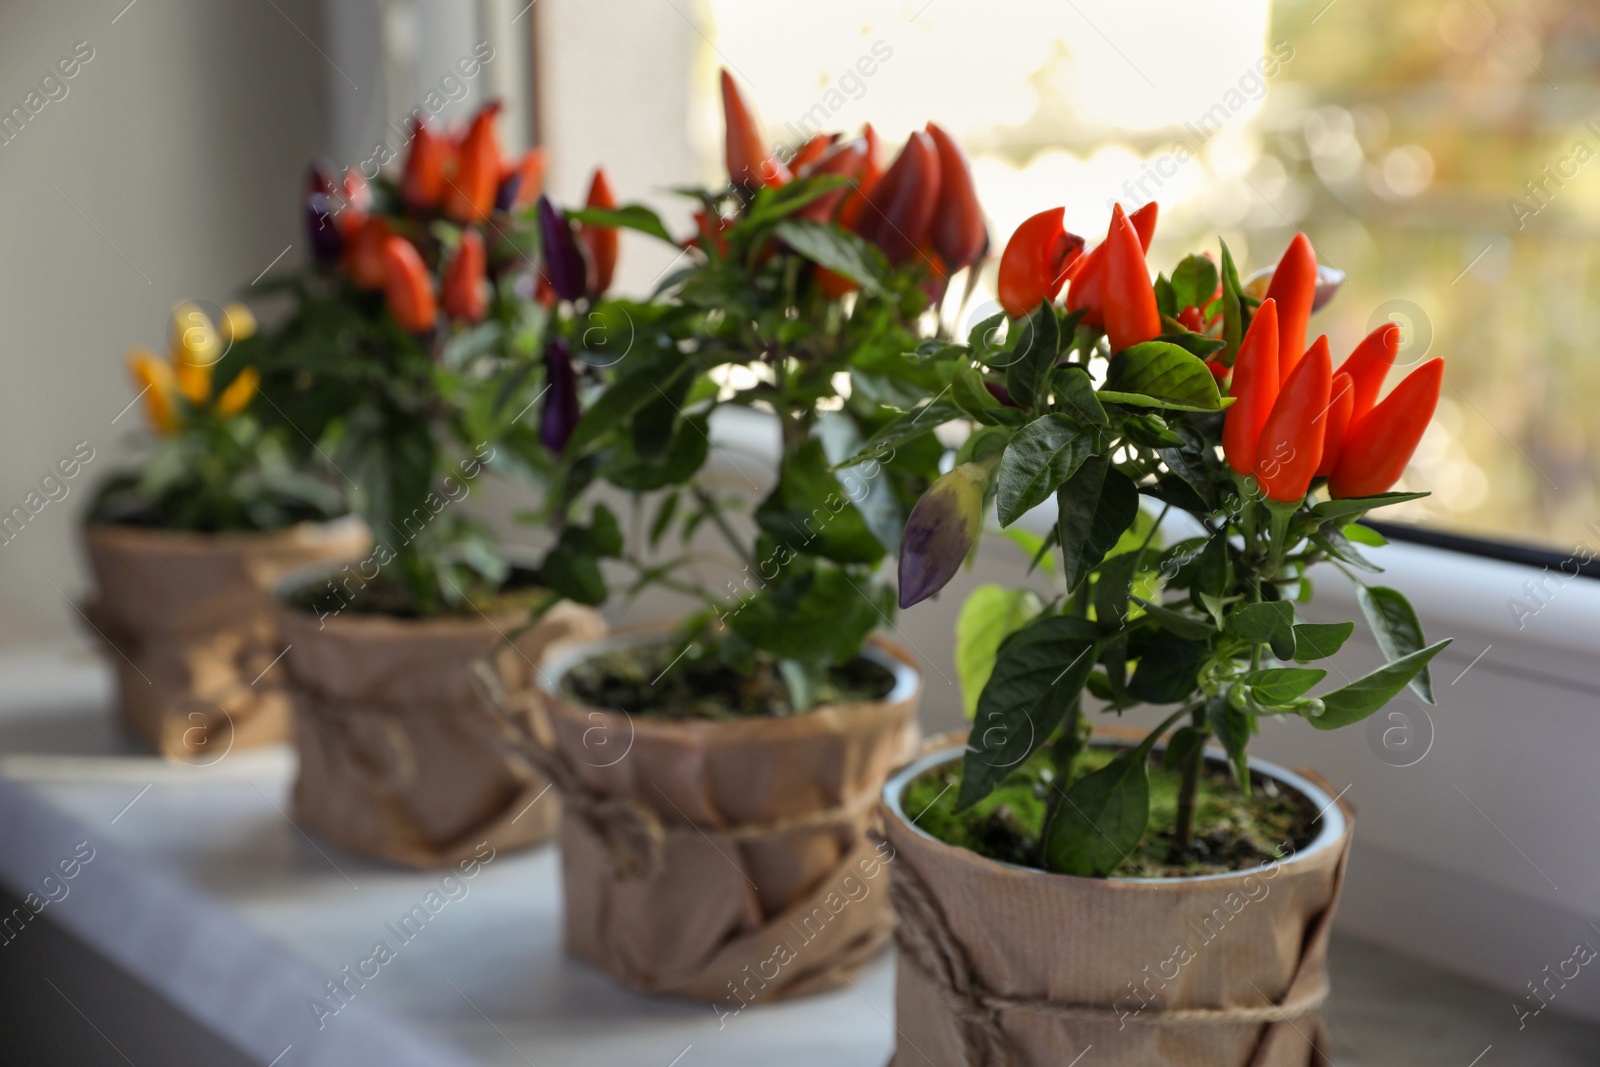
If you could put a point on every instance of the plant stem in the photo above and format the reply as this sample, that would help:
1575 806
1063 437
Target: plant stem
720 521
1188 787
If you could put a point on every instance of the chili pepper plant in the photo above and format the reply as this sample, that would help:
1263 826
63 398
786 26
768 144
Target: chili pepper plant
419 346
1133 403
213 467
812 272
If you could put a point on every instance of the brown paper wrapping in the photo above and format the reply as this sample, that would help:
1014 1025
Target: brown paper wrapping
1004 966
189 626
757 880
398 758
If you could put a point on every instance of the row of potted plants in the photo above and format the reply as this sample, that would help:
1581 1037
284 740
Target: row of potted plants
720 779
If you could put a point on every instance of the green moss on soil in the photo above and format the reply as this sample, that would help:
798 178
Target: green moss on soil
1232 833
645 680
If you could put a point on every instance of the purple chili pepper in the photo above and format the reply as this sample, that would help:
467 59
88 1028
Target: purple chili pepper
560 416
506 194
564 264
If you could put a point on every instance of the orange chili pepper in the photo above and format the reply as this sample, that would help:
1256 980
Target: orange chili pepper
601 241
422 184
1089 273
871 174
1254 389
750 161
959 234
1131 313
1290 449
465 294
469 196
1294 287
1369 364
1341 400
408 286
1036 261
1377 449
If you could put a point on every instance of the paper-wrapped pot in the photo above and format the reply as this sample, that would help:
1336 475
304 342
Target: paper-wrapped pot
1006 965
399 758
189 622
726 861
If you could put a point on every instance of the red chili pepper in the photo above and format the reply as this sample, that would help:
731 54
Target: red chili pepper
521 181
1089 274
422 185
871 174
351 215
959 234
1377 449
469 196
601 241
465 294
1254 389
1220 371
1131 313
709 232
1036 262
1294 287
364 254
750 162
900 207
1190 318
1369 364
811 151
1341 399
848 160
408 286
1290 449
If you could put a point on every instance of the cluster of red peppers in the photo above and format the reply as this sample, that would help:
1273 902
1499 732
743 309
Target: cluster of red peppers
923 205
1295 418
465 179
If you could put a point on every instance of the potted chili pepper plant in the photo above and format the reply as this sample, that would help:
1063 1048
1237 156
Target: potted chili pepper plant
412 355
1164 898
718 775
184 550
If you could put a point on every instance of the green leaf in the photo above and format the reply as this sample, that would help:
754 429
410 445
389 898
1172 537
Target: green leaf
1162 375
1276 686
1264 623
1365 695
1031 359
1194 280
812 613
969 394
1168 669
1094 506
1235 312
628 217
983 338
990 615
1232 727
1039 459
1112 584
837 249
1319 640
1365 535
809 511
1394 623
1101 818
1074 391
623 399
1181 747
1037 677
882 444
1329 510
1175 622
1152 432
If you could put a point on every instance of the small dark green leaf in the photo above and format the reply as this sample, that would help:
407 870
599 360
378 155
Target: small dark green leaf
1037 677
1094 506
882 444
1344 508
1232 728
1175 622
1194 281
1168 670
1263 623
1319 640
1029 362
1113 580
1277 686
1181 747
1075 396
1235 312
837 249
1039 459
1101 818
1151 431
1365 695
628 217
1394 623
969 394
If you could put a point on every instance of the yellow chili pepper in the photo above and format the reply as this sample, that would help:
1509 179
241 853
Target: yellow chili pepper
236 397
237 323
154 377
196 347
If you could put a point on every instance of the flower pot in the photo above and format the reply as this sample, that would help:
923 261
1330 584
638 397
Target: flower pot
189 624
398 755
1001 964
726 860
